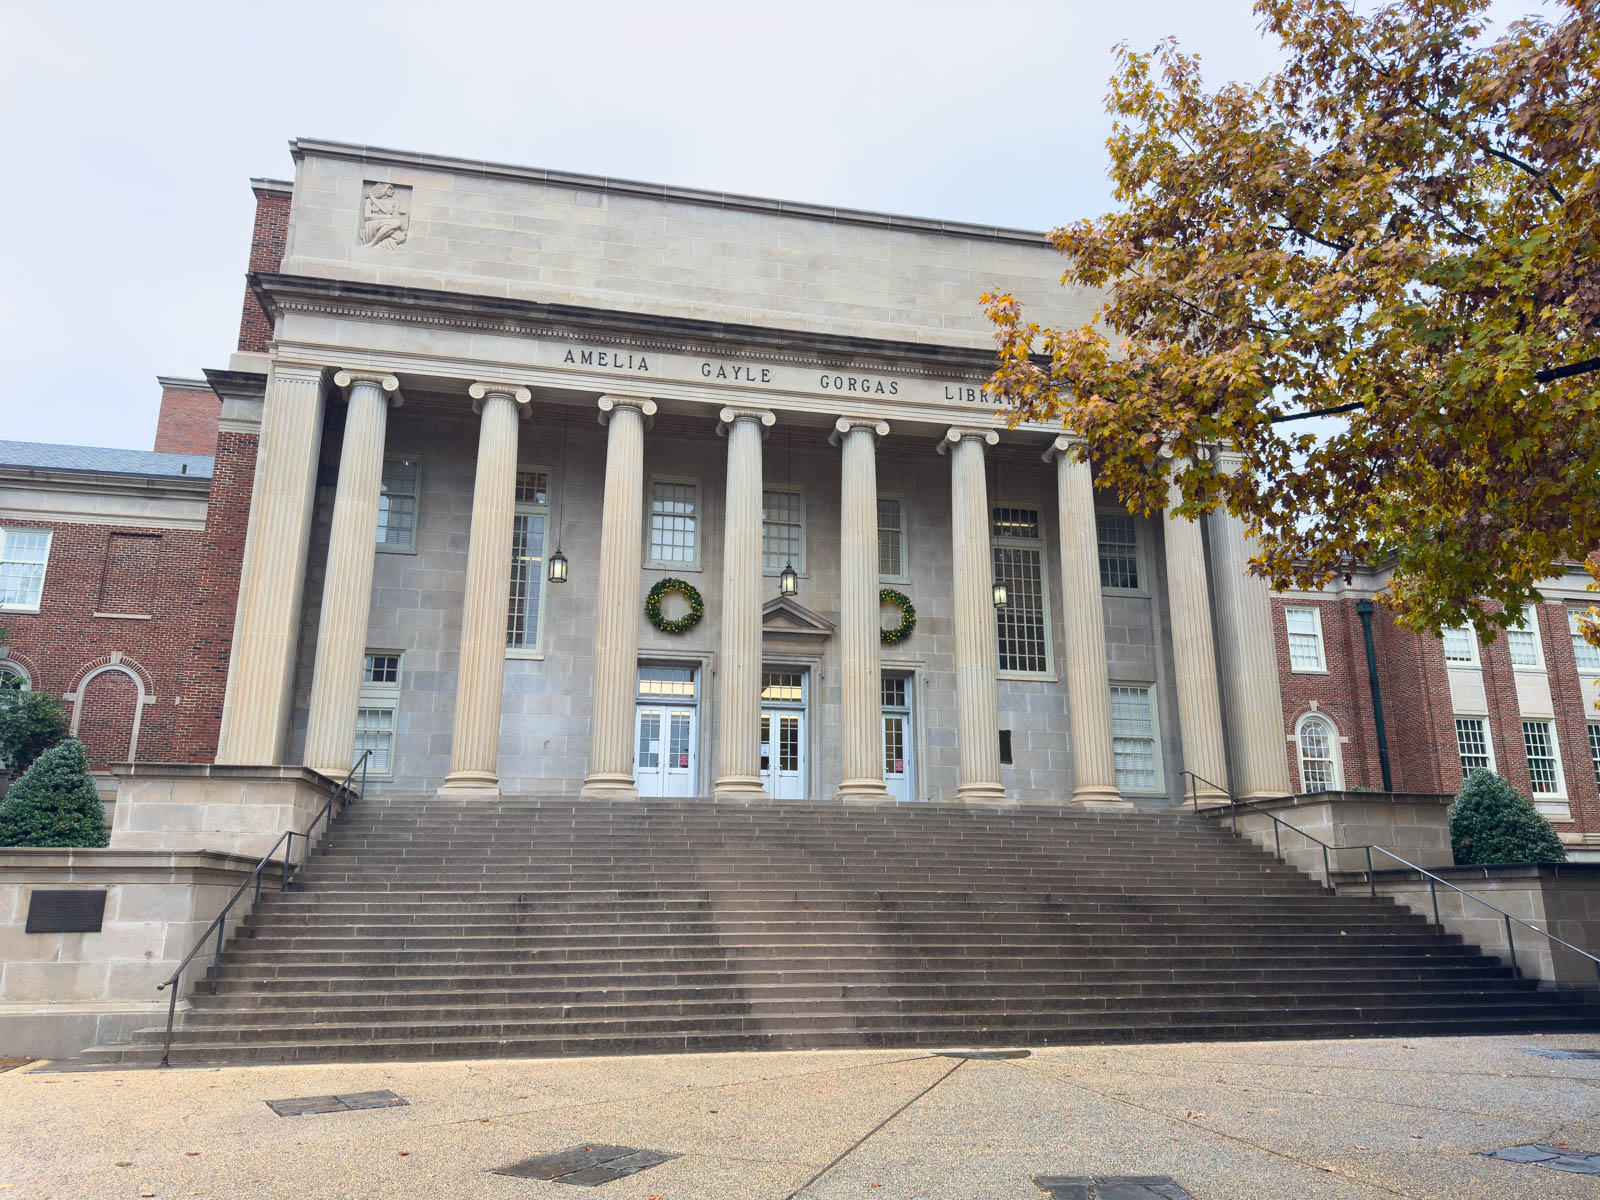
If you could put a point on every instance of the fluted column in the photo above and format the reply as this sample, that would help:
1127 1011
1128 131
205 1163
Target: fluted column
616 616
739 666
1249 659
272 577
1094 773
1194 654
977 649
860 670
475 743
347 585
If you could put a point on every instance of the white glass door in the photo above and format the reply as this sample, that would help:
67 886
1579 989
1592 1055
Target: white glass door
663 761
897 770
782 763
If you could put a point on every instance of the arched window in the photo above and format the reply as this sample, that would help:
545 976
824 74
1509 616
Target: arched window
1319 754
13 678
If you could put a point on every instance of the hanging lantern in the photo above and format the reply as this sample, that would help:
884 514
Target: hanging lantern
1002 597
558 567
788 582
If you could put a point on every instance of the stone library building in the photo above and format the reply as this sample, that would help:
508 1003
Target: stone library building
530 484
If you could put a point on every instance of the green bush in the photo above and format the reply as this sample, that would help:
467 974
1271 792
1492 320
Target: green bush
30 723
1491 823
55 803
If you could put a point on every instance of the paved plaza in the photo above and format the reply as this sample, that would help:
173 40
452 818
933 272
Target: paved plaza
1230 1121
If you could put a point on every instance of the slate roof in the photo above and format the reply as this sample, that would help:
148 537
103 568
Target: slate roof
103 460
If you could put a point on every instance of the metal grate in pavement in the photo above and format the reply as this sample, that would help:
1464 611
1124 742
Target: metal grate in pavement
586 1166
303 1106
1575 1054
983 1054
1557 1158
1110 1187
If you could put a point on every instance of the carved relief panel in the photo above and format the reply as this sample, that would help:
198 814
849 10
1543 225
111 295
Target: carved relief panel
385 215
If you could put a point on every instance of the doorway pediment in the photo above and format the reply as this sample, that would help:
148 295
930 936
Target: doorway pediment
784 619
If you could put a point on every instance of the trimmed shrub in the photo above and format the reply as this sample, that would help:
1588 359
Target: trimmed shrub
55 803
30 723
1491 823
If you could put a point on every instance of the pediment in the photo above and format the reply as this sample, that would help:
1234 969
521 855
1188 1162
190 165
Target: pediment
784 617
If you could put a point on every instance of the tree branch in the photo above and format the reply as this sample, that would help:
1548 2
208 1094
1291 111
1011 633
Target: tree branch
1320 412
1582 367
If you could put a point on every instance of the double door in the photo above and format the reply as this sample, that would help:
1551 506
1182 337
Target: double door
897 737
663 763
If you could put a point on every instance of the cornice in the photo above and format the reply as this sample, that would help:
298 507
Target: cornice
430 308
186 487
301 148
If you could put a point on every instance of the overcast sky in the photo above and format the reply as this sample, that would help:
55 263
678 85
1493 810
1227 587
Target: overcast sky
132 130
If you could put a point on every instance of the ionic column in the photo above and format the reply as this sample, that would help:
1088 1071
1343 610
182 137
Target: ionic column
347 585
860 672
616 616
1194 653
266 627
739 667
1249 660
1094 773
977 650
475 743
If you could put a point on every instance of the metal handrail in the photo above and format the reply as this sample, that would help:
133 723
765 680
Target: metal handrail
341 792
1372 885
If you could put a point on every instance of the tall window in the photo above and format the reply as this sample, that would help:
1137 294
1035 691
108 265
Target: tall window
376 710
1319 755
1523 641
1019 564
783 530
674 522
13 678
1472 745
891 539
1119 551
1594 749
397 504
1544 766
23 554
1586 654
1133 739
532 515
1460 645
1305 639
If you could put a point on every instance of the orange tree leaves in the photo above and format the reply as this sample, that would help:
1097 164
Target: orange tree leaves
1399 229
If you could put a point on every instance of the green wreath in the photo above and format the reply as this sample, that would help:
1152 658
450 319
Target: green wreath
697 606
908 617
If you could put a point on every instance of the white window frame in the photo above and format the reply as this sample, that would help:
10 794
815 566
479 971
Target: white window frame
799 563
1594 748
1471 634
49 543
1149 689
1322 643
1139 559
386 697
13 667
1488 740
1040 545
547 509
1530 625
1580 644
416 513
661 564
1336 757
903 575
1560 794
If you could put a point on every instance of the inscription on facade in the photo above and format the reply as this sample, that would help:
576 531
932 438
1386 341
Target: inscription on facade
860 385
615 360
712 370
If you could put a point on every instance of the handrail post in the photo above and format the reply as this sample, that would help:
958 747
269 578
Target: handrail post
1372 883
288 853
216 959
1511 949
255 908
1433 890
172 1009
1277 846
1327 872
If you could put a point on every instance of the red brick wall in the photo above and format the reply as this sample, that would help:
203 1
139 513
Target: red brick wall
188 420
267 242
1340 693
107 704
1573 710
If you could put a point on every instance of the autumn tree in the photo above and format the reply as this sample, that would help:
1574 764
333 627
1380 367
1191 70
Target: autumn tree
1398 232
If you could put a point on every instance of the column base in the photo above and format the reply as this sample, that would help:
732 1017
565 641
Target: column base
1098 796
467 785
1206 799
741 789
982 793
863 791
609 785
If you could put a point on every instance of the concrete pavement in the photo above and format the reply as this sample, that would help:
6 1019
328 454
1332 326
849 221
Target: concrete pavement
1228 1121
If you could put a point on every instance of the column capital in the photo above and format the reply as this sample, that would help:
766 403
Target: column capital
345 379
480 390
734 413
1063 444
958 433
612 401
845 426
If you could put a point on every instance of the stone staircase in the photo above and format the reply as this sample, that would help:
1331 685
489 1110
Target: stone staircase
521 927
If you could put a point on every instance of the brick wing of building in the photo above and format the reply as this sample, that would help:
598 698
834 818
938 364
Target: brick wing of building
448 372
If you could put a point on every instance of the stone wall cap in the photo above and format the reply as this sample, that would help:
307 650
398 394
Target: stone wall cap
107 865
1425 799
1462 876
144 770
